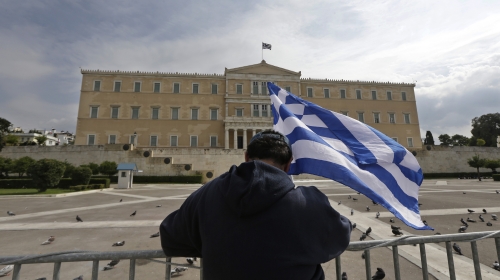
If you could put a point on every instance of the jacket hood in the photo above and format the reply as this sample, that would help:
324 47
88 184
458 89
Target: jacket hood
253 187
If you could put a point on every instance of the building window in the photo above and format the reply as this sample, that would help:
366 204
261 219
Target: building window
265 111
153 141
173 140
358 94
410 142
97 85
177 87
374 95
135 112
395 139
239 112
361 117
403 96
255 88
154 113
407 118
326 91
392 118
93 112
114 112
213 114
213 141
376 117
214 88
118 86
256 110
175 113
124 174
389 95
342 93
112 139
264 88
288 89
239 89
193 141
194 114
345 113
195 88
309 92
91 139
156 87
137 86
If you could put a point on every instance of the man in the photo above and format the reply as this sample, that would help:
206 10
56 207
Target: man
252 223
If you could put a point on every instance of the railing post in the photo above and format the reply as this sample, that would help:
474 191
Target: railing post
368 268
497 243
201 268
17 270
475 259
423 259
451 265
338 268
131 273
168 269
95 269
57 269
395 258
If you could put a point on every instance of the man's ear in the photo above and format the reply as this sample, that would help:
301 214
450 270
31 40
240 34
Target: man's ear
247 159
287 166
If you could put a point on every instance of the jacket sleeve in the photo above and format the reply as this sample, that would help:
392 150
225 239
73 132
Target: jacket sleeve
179 232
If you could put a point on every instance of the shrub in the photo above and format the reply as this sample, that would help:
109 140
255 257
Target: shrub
81 176
93 166
69 169
46 173
496 177
78 188
103 181
21 165
168 179
112 179
108 168
65 183
96 186
17 184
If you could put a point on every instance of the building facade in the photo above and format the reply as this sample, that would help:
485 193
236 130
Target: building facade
157 109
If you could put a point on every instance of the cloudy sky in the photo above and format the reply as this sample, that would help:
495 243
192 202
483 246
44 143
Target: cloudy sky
451 48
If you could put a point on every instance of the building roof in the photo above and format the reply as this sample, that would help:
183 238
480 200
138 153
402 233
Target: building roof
127 166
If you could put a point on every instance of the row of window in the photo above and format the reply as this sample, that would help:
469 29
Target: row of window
374 96
153 140
117 87
376 117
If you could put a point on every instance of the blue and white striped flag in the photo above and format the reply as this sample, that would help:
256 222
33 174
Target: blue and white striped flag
345 150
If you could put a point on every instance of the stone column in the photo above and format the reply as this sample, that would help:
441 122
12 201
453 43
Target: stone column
244 138
226 139
235 139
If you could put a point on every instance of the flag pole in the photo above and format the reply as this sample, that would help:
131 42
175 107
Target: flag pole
262 51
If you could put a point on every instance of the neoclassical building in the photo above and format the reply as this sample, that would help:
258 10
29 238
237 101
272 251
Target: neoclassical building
163 109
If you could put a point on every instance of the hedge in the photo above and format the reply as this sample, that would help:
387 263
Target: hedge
158 179
496 177
103 181
64 183
112 179
87 187
456 175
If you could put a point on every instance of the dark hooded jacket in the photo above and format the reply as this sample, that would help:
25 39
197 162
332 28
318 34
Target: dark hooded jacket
252 223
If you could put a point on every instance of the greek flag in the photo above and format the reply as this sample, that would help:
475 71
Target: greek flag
337 147
266 46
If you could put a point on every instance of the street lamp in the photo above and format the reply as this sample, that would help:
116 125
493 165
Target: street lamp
133 138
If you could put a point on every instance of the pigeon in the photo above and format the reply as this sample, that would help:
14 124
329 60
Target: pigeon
464 192
368 231
49 241
481 218
462 229
363 237
379 275
457 249
340 202
391 220
358 193
367 208
11 213
133 214
496 265
489 224
437 233
494 217
78 278
6 270
191 260
352 212
363 255
111 264
158 205
471 211
497 192
420 204
425 222
178 270
395 227
463 222
470 220
349 197
397 232
344 276
355 199
377 215
484 211
42 278
354 226
374 203
155 235
78 219
119 243
121 200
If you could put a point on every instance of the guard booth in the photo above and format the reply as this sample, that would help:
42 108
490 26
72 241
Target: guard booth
126 175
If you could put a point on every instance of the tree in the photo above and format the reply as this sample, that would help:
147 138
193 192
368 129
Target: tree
429 139
5 166
459 140
476 162
4 129
11 140
69 169
492 164
108 168
445 139
93 166
41 140
46 173
21 165
480 142
487 127
81 176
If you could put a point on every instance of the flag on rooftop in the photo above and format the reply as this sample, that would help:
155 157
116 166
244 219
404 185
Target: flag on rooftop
340 148
266 46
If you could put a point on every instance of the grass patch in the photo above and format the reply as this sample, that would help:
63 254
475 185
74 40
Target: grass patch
32 191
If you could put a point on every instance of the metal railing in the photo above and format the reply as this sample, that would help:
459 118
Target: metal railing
366 246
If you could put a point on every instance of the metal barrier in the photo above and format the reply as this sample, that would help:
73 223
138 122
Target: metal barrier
366 246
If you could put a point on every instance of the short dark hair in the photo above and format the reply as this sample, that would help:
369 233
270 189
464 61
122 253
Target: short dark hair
270 144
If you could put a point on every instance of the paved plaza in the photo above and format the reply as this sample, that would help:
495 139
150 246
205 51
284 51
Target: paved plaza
107 220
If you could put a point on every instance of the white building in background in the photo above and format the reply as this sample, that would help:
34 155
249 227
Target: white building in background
31 137
64 137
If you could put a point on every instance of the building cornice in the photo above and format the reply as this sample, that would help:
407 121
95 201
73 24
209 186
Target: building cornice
357 82
157 73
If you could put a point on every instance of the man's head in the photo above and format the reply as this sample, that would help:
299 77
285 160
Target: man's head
272 147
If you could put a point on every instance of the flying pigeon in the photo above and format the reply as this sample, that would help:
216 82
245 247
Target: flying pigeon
50 240
397 232
340 202
78 278
471 211
425 222
349 197
363 237
377 215
119 243
368 231
470 220
391 220
191 260
462 229
178 270
6 270
11 213
352 212
344 276
457 248
111 264
133 214
367 208
379 275
121 200
155 235
395 227
484 211
496 265
354 226
355 199
463 222
494 217
158 205
489 224
78 219
481 218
